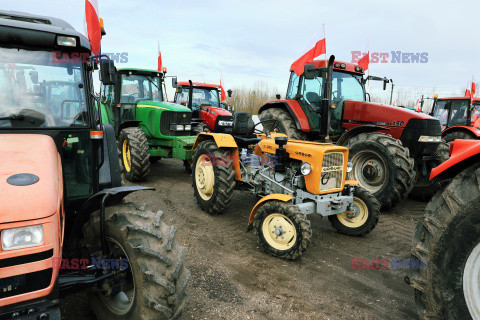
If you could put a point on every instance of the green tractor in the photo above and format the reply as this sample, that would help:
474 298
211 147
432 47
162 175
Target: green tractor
147 127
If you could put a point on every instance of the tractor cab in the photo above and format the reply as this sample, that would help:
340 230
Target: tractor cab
457 111
208 111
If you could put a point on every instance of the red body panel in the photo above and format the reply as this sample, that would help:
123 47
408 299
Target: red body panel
297 110
210 114
475 131
460 150
198 84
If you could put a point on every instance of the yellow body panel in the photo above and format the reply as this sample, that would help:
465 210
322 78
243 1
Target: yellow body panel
270 197
352 182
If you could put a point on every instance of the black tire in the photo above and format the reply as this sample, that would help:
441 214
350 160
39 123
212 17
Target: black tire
155 261
223 181
372 215
424 188
443 239
387 154
300 223
286 123
452 136
139 165
155 159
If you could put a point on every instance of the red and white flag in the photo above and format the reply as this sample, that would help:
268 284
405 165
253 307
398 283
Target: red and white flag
92 25
159 59
308 57
222 90
364 60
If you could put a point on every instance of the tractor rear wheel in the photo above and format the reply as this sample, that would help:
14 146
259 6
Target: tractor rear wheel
151 280
362 219
445 253
424 188
213 177
283 230
450 137
134 154
383 167
286 123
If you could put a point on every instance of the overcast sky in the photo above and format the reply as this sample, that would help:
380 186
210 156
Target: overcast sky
257 40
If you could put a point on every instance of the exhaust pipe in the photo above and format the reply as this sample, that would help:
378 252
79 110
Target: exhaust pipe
324 111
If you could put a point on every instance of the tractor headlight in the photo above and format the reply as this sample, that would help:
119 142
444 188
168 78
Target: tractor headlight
305 168
177 127
349 166
19 238
66 41
224 123
188 127
429 139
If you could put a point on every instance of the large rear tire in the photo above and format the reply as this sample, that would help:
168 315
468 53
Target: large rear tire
383 167
286 123
424 188
447 240
134 154
283 230
153 282
213 177
450 137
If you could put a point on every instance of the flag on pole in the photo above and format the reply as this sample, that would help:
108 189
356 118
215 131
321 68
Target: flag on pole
222 90
92 25
308 57
364 61
159 67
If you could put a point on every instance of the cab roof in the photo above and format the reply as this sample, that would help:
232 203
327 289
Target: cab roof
337 65
137 70
475 99
198 85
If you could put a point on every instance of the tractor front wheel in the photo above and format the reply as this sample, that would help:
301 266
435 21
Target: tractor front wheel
450 137
213 177
361 219
134 154
286 124
383 167
149 279
283 230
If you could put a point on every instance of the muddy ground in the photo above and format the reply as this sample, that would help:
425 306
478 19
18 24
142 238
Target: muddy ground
233 279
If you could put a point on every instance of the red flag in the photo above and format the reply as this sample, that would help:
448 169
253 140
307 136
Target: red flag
468 93
365 59
92 25
222 90
159 58
473 88
308 57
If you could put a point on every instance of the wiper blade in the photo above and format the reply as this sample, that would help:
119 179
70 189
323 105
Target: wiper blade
13 117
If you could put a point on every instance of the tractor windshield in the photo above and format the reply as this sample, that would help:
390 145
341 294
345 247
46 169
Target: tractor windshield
452 112
40 90
201 97
141 87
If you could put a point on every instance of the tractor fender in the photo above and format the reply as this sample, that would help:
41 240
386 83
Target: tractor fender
295 110
472 130
114 196
342 141
270 197
128 124
463 153
224 141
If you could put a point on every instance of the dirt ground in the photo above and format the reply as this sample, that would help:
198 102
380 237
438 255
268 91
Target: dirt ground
233 279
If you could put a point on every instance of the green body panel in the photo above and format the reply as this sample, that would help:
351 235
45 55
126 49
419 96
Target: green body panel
177 147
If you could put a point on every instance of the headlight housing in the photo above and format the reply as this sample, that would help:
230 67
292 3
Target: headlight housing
305 168
20 238
188 127
224 123
349 166
177 127
429 139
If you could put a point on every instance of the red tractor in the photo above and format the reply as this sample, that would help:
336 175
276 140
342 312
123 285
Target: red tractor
459 117
204 100
445 253
392 149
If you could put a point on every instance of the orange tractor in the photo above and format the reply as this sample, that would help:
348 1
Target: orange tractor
63 223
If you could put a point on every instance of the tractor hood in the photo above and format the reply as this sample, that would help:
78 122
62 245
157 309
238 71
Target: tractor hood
31 185
164 106
217 111
382 114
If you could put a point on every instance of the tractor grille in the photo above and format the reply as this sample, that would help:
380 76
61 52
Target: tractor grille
332 171
29 282
171 117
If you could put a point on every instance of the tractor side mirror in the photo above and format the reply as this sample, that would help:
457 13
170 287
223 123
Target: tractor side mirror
309 71
229 92
385 81
34 76
107 72
174 82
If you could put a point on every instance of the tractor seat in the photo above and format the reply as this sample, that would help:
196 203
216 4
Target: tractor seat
313 98
243 128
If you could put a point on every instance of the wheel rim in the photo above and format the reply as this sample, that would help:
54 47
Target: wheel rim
204 177
127 158
279 231
471 282
122 302
357 217
370 170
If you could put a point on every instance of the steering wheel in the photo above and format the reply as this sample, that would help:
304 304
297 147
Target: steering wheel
274 126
